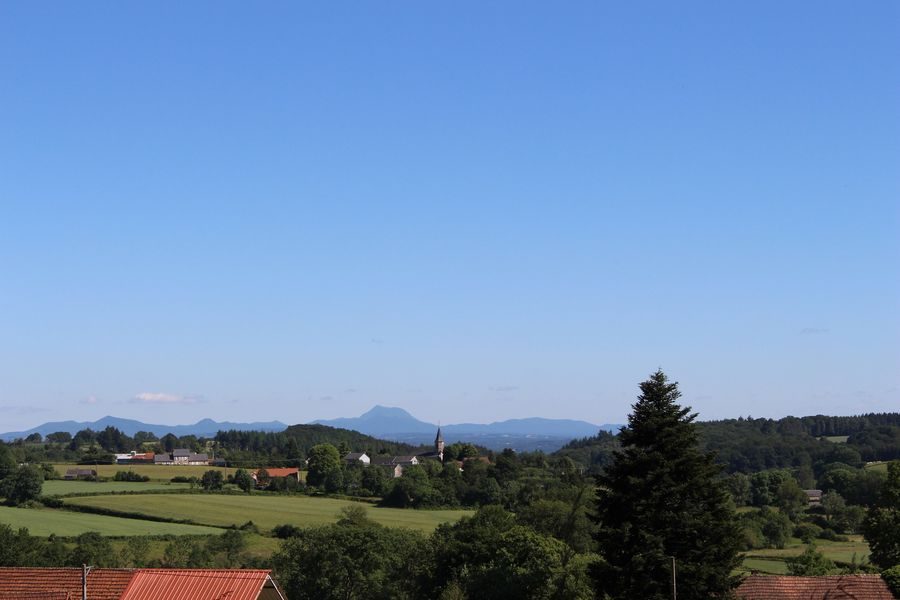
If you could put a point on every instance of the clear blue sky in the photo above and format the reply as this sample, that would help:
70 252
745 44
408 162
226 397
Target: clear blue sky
472 210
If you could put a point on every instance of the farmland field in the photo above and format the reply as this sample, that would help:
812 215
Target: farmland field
154 472
43 522
60 487
877 466
265 511
771 560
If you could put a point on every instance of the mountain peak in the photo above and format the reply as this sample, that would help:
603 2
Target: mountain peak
391 412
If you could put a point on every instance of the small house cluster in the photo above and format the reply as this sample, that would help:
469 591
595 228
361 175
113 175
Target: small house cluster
396 464
181 456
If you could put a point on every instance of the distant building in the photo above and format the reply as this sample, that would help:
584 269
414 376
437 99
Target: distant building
438 452
357 457
181 456
135 458
72 474
277 473
814 497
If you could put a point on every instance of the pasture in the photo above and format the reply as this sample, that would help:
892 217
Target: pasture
264 510
43 522
60 487
771 560
154 472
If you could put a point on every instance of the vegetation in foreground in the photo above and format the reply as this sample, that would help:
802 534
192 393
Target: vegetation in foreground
543 529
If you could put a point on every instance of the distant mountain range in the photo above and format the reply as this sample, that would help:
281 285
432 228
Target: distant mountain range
383 422
205 428
521 434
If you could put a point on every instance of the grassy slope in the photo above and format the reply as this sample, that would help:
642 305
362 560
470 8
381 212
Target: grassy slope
61 488
265 511
772 560
64 523
154 472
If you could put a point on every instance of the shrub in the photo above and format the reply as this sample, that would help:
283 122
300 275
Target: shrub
832 536
892 579
286 531
807 532
129 476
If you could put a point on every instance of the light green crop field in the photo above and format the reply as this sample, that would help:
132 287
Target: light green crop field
840 551
878 466
43 522
61 487
154 472
837 439
265 511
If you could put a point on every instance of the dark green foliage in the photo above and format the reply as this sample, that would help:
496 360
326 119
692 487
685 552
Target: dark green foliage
59 437
324 467
413 489
284 532
230 545
291 446
892 579
136 551
129 476
351 562
93 549
791 498
882 525
243 480
490 556
185 552
663 497
811 563
7 461
22 485
212 480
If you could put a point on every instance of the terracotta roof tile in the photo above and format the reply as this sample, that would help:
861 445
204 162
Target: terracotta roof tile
838 587
55 584
196 584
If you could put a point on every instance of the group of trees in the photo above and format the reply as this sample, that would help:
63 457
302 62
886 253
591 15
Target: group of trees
20 549
18 483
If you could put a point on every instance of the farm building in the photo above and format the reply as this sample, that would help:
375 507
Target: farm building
277 473
838 587
814 497
138 584
80 474
357 457
181 456
135 458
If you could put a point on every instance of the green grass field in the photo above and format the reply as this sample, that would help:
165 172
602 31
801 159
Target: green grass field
878 466
61 487
837 439
771 560
43 522
265 511
154 472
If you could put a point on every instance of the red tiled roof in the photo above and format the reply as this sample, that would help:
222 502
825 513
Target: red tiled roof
195 584
56 584
838 587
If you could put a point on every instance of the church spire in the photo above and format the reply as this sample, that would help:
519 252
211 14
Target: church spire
439 444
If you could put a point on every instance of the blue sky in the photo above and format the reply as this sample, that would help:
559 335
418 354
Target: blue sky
475 211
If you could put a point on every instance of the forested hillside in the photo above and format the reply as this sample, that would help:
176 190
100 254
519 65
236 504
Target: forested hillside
747 445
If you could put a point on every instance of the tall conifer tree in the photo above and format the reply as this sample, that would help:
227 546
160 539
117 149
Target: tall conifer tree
661 498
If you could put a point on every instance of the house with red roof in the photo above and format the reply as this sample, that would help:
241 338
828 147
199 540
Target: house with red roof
837 587
21 583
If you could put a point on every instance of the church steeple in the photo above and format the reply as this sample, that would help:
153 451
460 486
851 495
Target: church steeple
439 444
